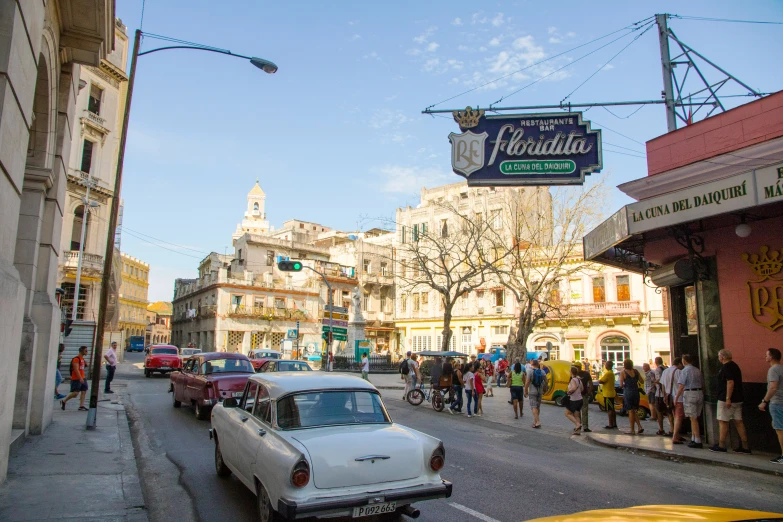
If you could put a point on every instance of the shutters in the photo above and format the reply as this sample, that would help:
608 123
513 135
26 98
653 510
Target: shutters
82 334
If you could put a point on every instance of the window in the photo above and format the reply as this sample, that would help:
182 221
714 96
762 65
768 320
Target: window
330 408
615 348
76 230
579 352
421 342
384 268
415 233
279 302
467 340
423 229
599 292
554 294
550 346
576 290
452 342
497 221
404 303
240 254
94 103
67 300
366 266
623 288
416 302
236 302
270 257
463 195
366 303
86 156
263 408
444 228
500 330
425 298
500 297
383 303
402 232
255 207
479 218
465 301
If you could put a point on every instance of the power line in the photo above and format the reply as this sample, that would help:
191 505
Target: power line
161 246
617 132
621 147
706 19
607 63
627 27
569 64
624 117
624 153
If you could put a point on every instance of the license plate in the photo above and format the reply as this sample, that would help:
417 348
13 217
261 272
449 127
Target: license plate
374 509
165 368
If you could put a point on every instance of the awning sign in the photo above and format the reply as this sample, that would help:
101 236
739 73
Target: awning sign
709 199
769 184
606 235
524 149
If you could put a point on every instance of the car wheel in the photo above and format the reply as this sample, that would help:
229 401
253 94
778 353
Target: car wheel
202 413
559 400
266 512
415 397
220 467
177 403
642 413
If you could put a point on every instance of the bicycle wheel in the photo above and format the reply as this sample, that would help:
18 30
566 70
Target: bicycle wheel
437 401
416 397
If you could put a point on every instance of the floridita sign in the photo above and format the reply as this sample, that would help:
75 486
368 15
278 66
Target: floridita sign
524 149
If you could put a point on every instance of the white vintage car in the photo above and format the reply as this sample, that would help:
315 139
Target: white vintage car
313 444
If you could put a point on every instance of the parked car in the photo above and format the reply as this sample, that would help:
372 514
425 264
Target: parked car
259 356
188 352
162 358
208 378
323 445
493 354
283 365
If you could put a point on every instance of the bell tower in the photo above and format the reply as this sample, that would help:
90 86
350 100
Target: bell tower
255 216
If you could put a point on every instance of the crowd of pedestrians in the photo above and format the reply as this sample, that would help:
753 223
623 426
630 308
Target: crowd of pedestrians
675 393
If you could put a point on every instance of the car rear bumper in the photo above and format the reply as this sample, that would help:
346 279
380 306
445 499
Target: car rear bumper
344 505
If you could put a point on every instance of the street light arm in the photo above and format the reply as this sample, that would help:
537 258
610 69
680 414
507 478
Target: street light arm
214 50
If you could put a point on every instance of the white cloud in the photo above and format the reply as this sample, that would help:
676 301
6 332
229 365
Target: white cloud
372 56
355 37
464 48
432 65
455 64
353 22
425 36
555 40
413 52
456 21
556 37
551 30
498 20
482 48
478 18
432 47
494 42
608 67
410 180
390 98
387 118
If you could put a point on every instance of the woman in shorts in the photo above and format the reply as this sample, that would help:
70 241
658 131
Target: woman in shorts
574 406
517 383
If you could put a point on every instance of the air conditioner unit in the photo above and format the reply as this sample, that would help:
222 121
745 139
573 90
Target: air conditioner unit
499 309
481 310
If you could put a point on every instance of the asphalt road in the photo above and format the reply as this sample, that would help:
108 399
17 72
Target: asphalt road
500 472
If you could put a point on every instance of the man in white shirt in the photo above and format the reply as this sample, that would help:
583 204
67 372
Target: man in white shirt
668 380
111 365
365 367
691 391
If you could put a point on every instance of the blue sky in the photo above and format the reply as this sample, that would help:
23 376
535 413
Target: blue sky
337 135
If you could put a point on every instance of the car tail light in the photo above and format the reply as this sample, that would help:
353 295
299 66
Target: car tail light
300 475
438 458
208 384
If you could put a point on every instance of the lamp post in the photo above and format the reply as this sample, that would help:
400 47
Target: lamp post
89 183
264 65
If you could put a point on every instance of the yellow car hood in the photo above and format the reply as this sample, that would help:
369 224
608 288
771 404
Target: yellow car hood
666 513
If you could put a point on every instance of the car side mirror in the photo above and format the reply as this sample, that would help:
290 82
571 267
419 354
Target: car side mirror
230 403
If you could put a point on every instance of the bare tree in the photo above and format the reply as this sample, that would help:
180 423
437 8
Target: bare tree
451 260
537 246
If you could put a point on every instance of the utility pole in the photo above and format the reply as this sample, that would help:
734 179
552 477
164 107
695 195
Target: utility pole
89 182
666 69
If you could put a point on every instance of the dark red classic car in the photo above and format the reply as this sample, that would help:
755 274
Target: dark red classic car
162 358
208 378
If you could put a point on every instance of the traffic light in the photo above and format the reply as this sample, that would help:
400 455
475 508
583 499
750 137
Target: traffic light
289 266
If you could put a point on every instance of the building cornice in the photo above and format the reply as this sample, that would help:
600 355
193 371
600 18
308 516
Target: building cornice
216 286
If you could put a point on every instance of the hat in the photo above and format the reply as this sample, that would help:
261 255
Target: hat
578 365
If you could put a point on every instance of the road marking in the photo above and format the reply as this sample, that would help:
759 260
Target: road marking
480 516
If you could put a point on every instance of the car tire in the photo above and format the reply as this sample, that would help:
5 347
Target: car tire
642 413
266 513
202 413
176 403
415 397
220 467
559 400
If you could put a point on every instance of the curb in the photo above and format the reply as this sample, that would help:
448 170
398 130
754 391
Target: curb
660 454
131 484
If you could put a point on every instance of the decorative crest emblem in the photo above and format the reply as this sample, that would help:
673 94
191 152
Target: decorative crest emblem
766 293
468 118
467 152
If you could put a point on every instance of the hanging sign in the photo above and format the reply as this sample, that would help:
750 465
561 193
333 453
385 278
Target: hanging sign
524 149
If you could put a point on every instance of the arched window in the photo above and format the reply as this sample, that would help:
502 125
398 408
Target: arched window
76 229
255 207
615 348
540 345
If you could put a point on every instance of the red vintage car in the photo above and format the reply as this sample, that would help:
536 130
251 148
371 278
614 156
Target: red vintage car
259 356
162 358
208 378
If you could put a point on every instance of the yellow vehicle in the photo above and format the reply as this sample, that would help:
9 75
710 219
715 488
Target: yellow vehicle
667 513
643 411
558 375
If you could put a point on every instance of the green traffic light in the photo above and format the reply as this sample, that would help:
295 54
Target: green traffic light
297 266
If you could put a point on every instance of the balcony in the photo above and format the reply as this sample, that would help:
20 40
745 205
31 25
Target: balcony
658 317
335 271
89 261
267 314
586 310
378 279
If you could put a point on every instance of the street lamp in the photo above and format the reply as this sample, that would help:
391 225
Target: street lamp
264 65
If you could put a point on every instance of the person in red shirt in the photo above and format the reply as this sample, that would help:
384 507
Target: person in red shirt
78 382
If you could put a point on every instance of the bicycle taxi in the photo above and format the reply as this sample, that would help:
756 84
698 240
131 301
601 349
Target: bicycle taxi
439 394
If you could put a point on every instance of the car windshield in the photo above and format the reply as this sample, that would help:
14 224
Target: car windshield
228 366
190 351
293 366
164 351
267 355
330 408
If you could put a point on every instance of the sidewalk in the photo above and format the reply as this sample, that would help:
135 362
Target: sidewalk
71 473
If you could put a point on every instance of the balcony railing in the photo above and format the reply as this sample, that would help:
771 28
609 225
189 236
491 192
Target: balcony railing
378 278
335 270
625 308
90 261
241 311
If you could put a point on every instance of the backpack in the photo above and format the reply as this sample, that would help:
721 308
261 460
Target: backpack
405 367
539 380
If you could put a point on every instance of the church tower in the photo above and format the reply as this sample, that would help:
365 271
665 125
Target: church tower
255 216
